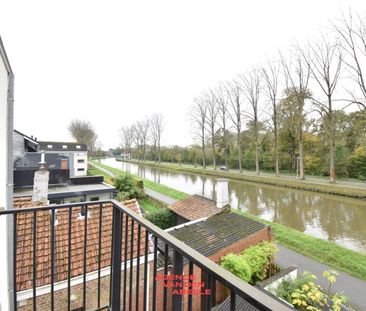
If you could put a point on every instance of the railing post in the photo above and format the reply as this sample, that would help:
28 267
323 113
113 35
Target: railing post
177 270
116 262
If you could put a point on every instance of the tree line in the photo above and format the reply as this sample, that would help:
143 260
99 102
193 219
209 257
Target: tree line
273 106
303 111
143 137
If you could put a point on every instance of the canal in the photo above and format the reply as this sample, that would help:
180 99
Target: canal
334 218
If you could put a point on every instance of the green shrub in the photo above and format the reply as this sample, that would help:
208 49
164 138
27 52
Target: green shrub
251 265
163 218
127 188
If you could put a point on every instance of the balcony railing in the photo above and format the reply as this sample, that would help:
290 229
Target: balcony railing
101 255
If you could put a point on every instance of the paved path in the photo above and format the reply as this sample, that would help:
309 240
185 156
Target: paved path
160 197
353 288
102 169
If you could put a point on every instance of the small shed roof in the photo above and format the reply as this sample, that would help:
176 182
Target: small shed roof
195 207
217 232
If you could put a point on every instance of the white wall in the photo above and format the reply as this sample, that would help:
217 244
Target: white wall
6 124
76 165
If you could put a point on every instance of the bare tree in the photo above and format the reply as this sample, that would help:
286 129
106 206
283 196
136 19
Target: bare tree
211 120
297 74
142 130
198 117
235 113
251 87
127 137
324 60
84 133
157 127
222 102
352 34
270 75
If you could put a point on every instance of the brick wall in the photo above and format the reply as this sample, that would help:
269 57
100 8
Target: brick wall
221 291
61 296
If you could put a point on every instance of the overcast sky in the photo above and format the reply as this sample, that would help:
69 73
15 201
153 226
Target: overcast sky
114 62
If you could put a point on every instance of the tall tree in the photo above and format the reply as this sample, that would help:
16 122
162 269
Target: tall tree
222 102
198 116
324 60
235 113
270 75
84 133
157 127
352 35
211 120
297 74
251 87
142 131
127 136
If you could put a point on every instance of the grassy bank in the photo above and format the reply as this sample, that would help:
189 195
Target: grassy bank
320 250
269 180
96 172
329 253
175 194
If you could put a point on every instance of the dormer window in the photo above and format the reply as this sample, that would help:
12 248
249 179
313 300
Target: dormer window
49 146
64 146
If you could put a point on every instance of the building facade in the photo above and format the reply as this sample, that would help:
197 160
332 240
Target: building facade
78 154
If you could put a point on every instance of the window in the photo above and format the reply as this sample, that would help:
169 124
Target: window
81 169
49 146
78 147
81 160
64 146
94 199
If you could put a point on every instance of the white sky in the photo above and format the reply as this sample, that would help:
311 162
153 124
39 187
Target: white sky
114 62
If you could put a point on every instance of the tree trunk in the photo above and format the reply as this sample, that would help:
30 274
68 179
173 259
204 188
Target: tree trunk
332 173
276 145
292 152
239 151
159 153
256 159
301 155
214 156
203 155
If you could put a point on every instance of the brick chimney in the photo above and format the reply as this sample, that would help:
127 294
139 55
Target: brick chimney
222 193
40 183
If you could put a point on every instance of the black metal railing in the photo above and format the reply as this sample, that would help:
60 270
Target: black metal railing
111 252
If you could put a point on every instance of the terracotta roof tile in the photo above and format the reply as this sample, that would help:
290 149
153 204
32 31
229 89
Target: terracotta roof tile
24 260
195 207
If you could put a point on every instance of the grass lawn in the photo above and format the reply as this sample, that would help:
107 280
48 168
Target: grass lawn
149 205
175 194
320 250
96 172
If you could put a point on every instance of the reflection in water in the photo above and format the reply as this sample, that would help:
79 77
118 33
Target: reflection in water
332 218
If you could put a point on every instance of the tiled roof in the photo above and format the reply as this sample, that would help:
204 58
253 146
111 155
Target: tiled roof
195 207
24 260
217 232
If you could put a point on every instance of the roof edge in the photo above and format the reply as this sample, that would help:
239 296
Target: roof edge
5 58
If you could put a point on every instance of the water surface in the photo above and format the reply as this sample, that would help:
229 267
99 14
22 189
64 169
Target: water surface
330 217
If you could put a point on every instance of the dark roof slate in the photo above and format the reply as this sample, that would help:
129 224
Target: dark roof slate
217 232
